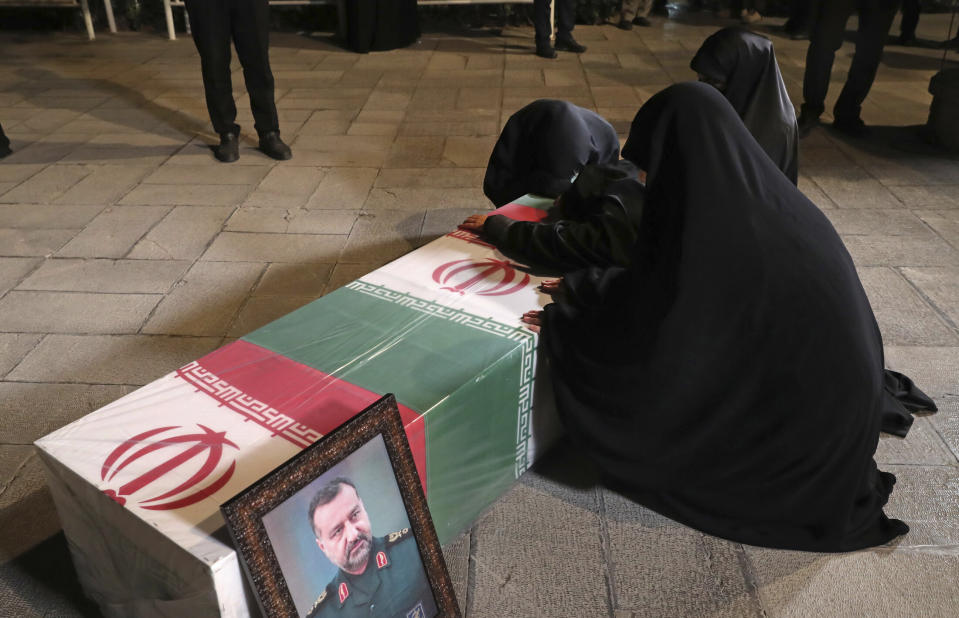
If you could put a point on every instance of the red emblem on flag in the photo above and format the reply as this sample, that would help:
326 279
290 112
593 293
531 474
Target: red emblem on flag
344 591
381 560
488 277
182 449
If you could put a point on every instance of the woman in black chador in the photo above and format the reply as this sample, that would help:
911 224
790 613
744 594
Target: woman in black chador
742 65
542 148
731 376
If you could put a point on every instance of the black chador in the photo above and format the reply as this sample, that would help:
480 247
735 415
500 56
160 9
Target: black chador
542 148
215 23
731 377
742 65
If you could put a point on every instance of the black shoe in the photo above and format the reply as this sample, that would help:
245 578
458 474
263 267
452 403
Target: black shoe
272 146
853 127
569 45
625 24
807 122
642 21
545 51
229 149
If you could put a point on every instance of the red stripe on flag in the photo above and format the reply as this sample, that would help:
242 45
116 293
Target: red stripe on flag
293 400
520 212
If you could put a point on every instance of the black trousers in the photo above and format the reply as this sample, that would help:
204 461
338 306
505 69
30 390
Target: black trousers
910 18
565 20
246 23
826 36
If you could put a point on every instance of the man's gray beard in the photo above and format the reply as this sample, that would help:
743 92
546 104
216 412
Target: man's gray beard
361 558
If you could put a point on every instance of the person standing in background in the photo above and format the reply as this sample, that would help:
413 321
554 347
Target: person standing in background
910 19
247 24
826 36
635 12
565 21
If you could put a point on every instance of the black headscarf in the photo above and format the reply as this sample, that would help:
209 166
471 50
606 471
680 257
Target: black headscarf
542 148
731 376
746 63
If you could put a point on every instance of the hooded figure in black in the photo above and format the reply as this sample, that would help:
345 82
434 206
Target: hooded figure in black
379 25
731 376
542 148
594 223
742 65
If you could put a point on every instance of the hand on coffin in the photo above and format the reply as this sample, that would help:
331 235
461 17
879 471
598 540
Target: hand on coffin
533 319
551 287
474 223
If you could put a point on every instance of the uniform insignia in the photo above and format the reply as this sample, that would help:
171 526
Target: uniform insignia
344 591
319 600
381 560
416 612
396 536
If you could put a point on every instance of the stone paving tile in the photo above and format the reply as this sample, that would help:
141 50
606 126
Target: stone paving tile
800 584
382 236
922 446
186 195
105 185
113 232
217 175
523 568
183 234
853 189
441 221
27 513
343 189
261 310
109 359
286 187
110 276
410 198
409 152
17 172
291 221
904 317
933 369
205 301
944 222
43 216
13 269
941 196
340 150
479 98
900 251
17 243
940 286
299 248
946 423
74 312
47 185
655 561
925 497
461 177
456 554
294 280
13 347
868 221
468 151
32 410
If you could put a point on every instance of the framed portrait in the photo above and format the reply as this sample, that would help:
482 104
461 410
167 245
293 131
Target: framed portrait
342 528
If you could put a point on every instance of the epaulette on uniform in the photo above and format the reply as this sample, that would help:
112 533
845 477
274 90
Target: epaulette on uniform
319 600
395 537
